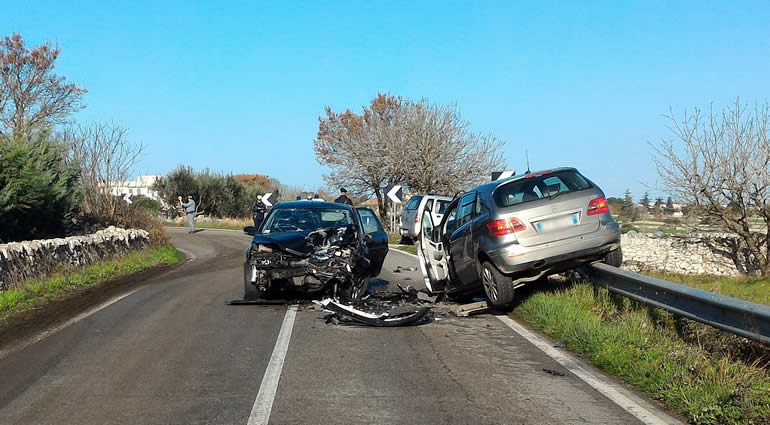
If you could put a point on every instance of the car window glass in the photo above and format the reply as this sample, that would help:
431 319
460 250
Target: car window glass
370 222
285 220
429 205
480 207
413 203
441 206
465 210
538 186
451 222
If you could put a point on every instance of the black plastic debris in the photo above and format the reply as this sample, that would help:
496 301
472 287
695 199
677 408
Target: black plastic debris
347 314
553 372
400 269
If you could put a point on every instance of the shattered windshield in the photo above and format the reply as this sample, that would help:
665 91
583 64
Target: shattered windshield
305 220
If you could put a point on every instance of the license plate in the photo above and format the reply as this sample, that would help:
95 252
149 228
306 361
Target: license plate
557 223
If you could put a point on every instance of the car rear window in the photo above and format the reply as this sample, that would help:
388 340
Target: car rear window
413 203
539 186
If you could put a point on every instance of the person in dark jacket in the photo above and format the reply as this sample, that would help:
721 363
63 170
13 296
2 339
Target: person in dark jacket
258 210
343 198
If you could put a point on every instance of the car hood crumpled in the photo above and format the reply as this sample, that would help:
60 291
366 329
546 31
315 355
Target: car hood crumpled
293 242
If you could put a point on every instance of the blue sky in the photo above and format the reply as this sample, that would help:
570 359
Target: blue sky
238 86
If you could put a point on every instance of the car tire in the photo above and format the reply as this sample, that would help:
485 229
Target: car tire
497 286
405 240
614 258
250 292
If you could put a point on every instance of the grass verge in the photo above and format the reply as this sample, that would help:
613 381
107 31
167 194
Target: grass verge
394 240
750 288
220 223
38 292
641 347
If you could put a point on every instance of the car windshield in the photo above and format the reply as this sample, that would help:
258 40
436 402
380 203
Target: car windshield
305 220
539 186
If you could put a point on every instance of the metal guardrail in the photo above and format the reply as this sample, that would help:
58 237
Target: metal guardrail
739 317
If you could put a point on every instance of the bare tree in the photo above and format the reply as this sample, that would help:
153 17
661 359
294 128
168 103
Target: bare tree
441 154
359 148
106 156
397 141
32 96
720 164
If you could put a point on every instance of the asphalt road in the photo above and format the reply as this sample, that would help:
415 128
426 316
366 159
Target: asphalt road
173 352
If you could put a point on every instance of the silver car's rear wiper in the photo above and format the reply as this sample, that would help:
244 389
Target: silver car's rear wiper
556 194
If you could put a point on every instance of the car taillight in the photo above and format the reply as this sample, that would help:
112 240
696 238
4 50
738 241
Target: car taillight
416 218
598 206
505 226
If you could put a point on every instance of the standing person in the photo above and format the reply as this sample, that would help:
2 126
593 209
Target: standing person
189 209
258 211
343 198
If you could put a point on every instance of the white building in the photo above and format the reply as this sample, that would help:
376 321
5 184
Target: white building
141 186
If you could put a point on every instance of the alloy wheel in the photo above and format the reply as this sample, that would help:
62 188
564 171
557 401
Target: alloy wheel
490 286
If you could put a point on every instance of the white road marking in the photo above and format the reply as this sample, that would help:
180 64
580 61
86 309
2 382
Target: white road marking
45 334
632 407
402 252
263 405
190 255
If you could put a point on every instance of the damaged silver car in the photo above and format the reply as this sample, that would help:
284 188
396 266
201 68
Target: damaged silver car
314 248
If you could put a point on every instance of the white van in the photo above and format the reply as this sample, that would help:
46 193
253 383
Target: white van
410 218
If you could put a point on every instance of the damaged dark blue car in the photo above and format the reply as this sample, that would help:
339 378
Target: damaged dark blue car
317 248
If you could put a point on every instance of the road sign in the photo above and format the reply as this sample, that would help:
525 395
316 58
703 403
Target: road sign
395 193
497 175
266 199
127 198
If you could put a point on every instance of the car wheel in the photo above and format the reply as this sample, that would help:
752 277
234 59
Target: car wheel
614 258
405 240
498 287
250 292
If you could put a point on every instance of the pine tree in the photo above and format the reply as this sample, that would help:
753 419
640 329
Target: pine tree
627 210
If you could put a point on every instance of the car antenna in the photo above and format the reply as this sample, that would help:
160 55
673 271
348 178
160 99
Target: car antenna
526 153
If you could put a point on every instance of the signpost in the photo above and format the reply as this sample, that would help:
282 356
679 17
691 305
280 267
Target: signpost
127 198
497 175
394 195
266 199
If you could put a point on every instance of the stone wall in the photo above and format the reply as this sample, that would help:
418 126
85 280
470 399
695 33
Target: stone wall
20 261
705 253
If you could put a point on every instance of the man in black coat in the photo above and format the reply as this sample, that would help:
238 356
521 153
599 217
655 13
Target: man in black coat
258 211
343 198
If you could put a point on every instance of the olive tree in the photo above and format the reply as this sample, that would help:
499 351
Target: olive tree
719 162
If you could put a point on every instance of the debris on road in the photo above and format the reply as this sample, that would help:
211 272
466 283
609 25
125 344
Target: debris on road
561 344
553 372
400 269
465 310
347 314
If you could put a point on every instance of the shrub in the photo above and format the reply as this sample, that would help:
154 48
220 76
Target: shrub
38 190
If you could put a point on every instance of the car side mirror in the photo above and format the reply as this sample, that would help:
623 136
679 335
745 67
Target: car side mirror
368 238
250 230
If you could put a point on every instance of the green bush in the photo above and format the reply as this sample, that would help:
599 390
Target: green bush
215 194
39 192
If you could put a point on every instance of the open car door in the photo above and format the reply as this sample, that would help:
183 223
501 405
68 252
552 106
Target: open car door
431 254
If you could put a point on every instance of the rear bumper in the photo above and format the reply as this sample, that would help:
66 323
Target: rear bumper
557 256
409 230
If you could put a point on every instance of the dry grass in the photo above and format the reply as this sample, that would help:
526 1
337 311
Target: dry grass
213 223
